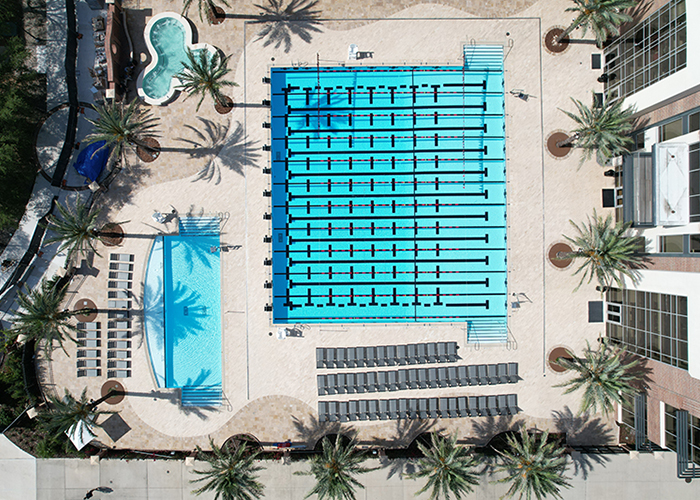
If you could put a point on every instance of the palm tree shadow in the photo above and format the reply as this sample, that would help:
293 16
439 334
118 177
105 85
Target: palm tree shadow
230 149
297 18
315 430
407 432
583 429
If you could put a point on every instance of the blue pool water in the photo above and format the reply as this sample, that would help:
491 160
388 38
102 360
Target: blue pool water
182 310
389 193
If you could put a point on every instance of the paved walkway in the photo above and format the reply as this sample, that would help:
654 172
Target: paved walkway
593 477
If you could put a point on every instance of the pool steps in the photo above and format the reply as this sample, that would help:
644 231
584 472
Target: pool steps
203 395
199 226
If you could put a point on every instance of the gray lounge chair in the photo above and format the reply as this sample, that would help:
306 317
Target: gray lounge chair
513 373
89 353
462 407
371 382
383 409
89 326
393 382
332 411
360 383
402 380
330 358
401 355
82 334
483 374
119 285
433 378
413 408
442 377
444 408
119 294
92 372
453 410
90 343
121 257
119 304
492 406
473 406
473 373
421 353
432 352
320 362
119 344
363 410
331 384
118 314
433 408
393 409
422 408
413 378
502 402
118 334
119 354
452 352
119 374
321 382
88 363
390 355
502 373
452 378
493 374
341 357
411 354
482 407
350 357
350 383
360 357
119 363
462 375
442 352
119 325
343 411
423 378
373 409
353 411
381 356
341 385
512 402
382 381
118 275
322 411
119 266
371 356
403 408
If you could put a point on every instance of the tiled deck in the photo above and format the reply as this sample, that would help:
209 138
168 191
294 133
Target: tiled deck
270 384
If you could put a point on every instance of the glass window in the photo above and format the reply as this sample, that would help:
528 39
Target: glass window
694 122
672 130
694 243
671 244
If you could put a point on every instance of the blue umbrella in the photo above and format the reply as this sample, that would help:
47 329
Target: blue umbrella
91 160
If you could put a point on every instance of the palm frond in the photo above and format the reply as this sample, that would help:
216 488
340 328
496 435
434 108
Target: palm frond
602 17
604 376
602 130
533 466
606 250
67 412
231 475
203 74
76 229
205 7
448 467
334 469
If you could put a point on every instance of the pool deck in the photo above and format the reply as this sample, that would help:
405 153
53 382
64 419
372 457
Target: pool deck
270 384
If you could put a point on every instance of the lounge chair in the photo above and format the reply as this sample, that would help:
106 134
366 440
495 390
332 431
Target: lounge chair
119 304
442 377
119 325
93 372
422 408
119 294
119 344
360 357
350 360
382 381
89 353
360 383
444 408
432 352
402 379
121 285
329 359
433 378
321 383
320 361
392 381
90 343
492 406
341 357
413 378
343 411
331 384
433 405
393 409
117 275
121 257
88 363
340 383
442 352
383 409
513 373
119 354
118 373
452 378
493 374
119 363
96 325
390 355
411 354
371 382
381 356
462 375
473 373
118 334
482 406
121 266
353 411
401 355
350 383
452 352
82 334
332 411
502 373
483 374
423 378
118 314
363 411
412 408
462 406
373 409
512 402
322 411
421 353
371 356
453 410
502 402
473 406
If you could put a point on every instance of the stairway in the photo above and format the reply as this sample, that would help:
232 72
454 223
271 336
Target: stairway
483 57
201 395
199 226
487 331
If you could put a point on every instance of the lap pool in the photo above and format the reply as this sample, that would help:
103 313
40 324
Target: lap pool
182 310
389 193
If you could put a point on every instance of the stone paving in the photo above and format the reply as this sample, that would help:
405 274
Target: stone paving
270 384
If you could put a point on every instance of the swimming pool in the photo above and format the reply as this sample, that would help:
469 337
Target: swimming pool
389 192
168 36
182 305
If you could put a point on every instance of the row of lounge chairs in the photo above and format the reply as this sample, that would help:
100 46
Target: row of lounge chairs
390 355
418 408
417 378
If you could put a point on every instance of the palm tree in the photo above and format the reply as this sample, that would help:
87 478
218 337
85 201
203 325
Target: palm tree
41 318
448 468
207 7
76 229
602 129
204 75
603 17
533 466
231 475
298 17
607 252
67 412
334 469
123 127
605 375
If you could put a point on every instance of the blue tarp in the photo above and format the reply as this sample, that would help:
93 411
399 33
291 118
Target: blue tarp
91 165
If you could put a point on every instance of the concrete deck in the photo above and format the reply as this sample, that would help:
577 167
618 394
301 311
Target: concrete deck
270 384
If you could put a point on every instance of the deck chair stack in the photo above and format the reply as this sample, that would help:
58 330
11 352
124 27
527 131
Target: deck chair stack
119 325
89 362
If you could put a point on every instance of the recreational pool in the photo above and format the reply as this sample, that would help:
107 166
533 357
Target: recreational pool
182 310
168 36
389 192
